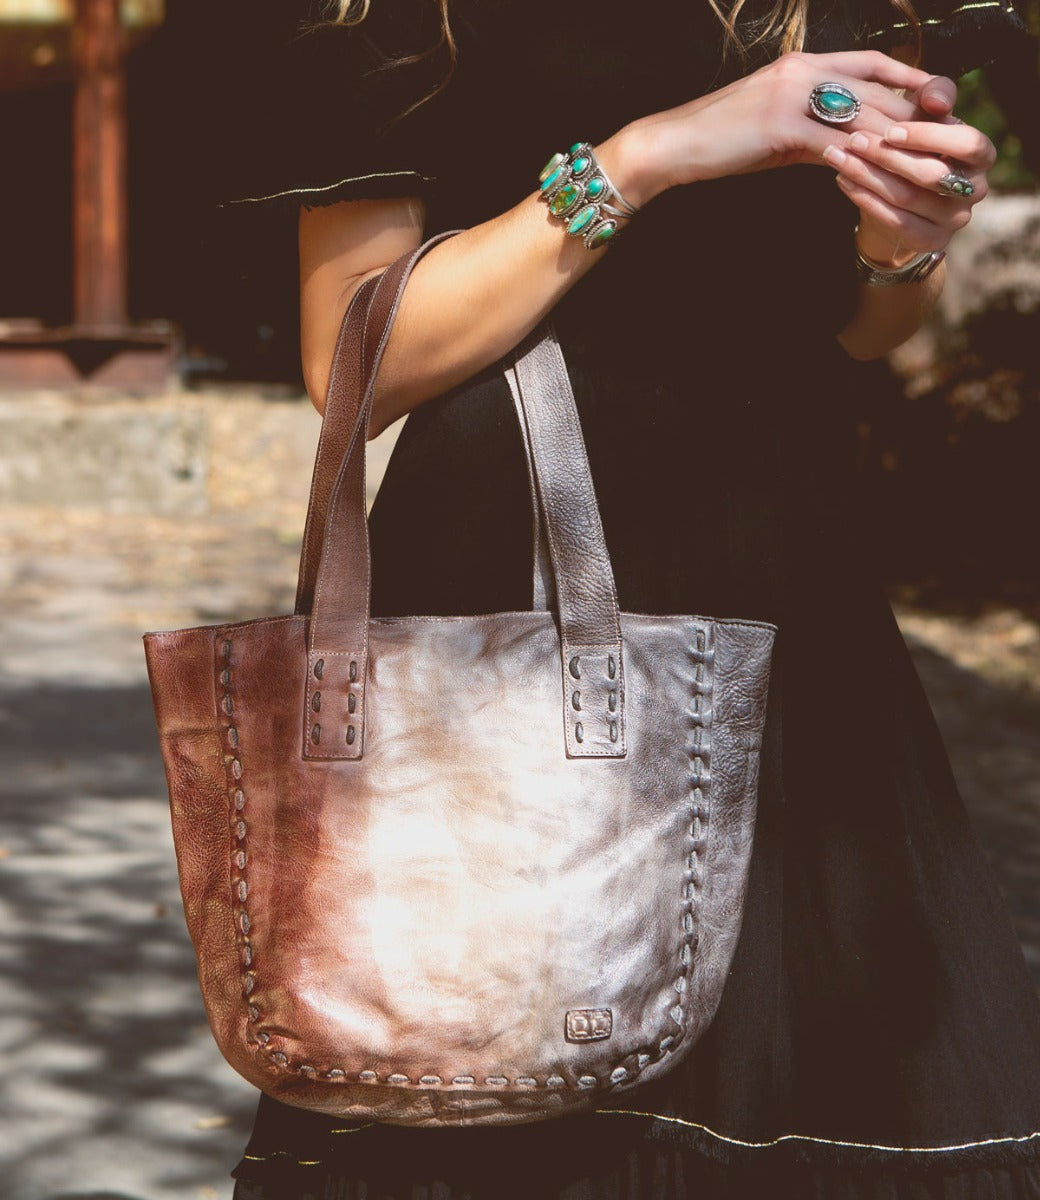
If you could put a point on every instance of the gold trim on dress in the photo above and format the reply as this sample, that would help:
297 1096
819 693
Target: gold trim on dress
1007 7
328 187
821 1141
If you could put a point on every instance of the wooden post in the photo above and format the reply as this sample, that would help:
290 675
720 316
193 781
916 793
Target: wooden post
99 169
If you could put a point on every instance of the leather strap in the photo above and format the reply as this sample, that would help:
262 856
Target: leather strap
586 599
337 637
340 416
543 590
356 345
591 658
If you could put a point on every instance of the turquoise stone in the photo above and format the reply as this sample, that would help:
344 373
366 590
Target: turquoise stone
595 187
835 102
564 199
580 165
956 185
576 147
602 235
551 166
554 178
582 218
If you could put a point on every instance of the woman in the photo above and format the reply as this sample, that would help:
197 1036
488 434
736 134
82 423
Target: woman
878 1035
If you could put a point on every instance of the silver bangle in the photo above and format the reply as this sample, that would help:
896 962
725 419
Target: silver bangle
917 269
582 196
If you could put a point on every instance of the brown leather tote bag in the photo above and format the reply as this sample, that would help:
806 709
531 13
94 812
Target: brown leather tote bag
460 870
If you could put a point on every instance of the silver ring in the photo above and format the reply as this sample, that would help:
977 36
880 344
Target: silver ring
834 103
953 184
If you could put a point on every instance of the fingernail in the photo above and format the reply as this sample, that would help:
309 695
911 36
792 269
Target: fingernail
896 134
835 155
859 141
842 182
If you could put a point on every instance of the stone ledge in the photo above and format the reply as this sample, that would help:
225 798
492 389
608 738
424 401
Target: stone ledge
184 454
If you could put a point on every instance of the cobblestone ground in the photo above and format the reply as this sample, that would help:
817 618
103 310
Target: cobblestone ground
113 1088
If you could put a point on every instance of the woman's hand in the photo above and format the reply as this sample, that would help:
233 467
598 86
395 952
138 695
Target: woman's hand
893 178
763 120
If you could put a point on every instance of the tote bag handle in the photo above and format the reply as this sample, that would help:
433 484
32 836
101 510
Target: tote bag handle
586 600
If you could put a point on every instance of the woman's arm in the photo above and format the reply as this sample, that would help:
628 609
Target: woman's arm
469 301
475 296
886 317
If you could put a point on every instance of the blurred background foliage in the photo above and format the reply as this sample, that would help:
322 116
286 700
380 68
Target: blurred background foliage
1017 167
978 106
1003 101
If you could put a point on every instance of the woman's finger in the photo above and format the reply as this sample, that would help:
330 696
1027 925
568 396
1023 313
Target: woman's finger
870 65
955 140
922 170
900 193
884 102
881 108
908 229
816 135
938 96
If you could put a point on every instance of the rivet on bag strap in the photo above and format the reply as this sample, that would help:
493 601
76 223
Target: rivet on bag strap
592 669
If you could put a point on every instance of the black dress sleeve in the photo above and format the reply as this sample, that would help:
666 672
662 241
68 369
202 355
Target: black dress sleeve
956 35
312 113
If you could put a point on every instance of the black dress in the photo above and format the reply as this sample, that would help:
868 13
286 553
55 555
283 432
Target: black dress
879 1036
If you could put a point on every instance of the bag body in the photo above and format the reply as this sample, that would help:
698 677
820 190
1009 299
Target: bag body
460 870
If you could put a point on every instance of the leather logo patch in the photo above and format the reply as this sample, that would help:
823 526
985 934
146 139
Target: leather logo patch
589 1024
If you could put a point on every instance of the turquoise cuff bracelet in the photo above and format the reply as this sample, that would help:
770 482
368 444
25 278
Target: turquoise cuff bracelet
580 195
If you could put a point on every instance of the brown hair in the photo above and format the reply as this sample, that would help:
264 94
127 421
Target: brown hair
786 26
353 12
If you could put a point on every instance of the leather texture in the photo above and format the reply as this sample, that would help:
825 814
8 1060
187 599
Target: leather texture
460 870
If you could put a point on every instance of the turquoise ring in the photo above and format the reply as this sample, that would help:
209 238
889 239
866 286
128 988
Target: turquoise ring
953 184
834 104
